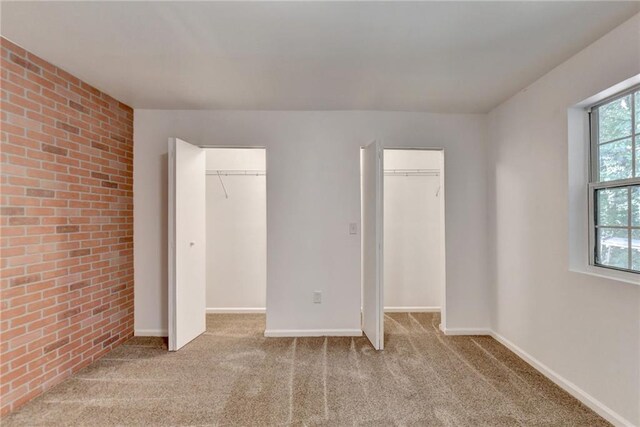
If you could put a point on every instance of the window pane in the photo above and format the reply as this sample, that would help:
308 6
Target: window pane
615 160
635 206
613 206
614 119
635 252
612 247
638 156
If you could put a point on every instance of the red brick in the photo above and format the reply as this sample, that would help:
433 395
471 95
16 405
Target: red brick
67 127
24 220
25 103
67 222
79 107
39 192
55 345
23 320
69 313
54 150
11 210
79 252
67 229
24 63
19 281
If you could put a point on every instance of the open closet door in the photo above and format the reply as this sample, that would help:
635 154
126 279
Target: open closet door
372 211
187 285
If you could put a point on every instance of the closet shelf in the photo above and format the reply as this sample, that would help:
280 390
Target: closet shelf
230 172
412 172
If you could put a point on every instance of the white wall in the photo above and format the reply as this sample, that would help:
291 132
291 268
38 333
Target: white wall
412 226
584 328
236 231
313 193
507 224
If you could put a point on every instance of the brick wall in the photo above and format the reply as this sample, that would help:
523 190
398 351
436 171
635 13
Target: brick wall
66 225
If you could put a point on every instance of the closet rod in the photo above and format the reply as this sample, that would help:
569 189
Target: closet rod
402 172
230 172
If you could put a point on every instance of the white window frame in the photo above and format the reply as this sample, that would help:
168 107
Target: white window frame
594 180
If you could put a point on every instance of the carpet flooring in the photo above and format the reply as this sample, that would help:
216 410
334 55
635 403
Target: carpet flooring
233 376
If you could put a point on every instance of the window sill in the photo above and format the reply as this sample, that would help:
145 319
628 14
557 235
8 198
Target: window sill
607 273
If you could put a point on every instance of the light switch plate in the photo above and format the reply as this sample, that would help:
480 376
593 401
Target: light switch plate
317 297
353 228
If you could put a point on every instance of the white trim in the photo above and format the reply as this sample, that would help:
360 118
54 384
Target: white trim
171 240
412 309
214 310
313 333
608 273
150 333
598 407
443 241
584 397
465 331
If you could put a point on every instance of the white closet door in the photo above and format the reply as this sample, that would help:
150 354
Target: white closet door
187 245
372 262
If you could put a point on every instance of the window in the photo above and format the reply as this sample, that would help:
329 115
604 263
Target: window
614 188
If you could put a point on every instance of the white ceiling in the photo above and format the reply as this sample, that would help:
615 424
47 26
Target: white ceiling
407 56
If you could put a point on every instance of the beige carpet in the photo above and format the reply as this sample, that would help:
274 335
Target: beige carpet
232 375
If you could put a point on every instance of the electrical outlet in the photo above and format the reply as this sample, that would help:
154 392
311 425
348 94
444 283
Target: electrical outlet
317 297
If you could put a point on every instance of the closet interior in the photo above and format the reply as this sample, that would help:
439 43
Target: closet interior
413 230
236 230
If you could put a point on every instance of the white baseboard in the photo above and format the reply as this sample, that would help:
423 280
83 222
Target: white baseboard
150 333
412 309
236 310
465 331
313 333
598 407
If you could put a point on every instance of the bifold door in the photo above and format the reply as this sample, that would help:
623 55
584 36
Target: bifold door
372 261
187 285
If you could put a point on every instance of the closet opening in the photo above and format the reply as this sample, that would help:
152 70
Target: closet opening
236 232
403 240
217 240
413 227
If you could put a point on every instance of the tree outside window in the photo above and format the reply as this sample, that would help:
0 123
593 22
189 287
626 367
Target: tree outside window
615 182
